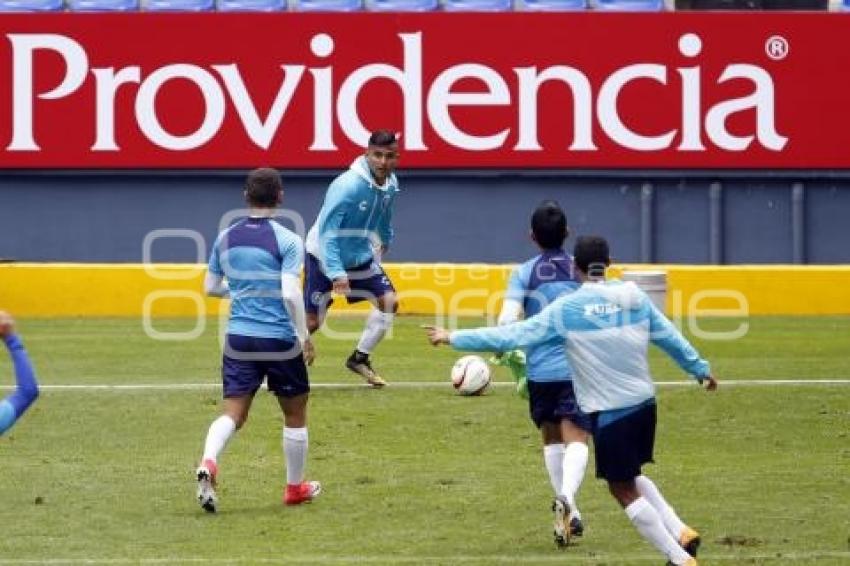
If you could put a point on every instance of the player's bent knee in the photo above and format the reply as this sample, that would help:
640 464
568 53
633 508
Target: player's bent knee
625 492
551 433
295 418
388 303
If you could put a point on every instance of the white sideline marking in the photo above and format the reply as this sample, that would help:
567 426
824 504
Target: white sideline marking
398 385
383 559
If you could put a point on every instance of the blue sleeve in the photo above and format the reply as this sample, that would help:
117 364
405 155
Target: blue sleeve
385 227
26 391
292 252
516 290
663 334
214 265
538 329
330 226
7 416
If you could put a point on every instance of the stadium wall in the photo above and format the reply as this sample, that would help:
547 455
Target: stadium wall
709 217
175 290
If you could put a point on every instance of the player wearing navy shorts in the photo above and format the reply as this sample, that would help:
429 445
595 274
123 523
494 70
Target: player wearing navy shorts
552 403
345 245
26 388
606 328
257 263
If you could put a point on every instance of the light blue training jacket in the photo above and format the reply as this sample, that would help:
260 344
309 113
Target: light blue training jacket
606 328
356 215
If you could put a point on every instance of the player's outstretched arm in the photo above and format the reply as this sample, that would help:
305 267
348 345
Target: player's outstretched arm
26 392
667 337
437 336
535 330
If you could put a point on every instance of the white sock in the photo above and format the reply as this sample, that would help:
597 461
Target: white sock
575 464
377 324
295 452
553 456
649 491
220 432
648 523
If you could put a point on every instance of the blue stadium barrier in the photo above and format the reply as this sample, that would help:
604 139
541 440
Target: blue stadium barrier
402 5
328 5
178 5
103 5
631 5
250 5
553 5
478 5
31 5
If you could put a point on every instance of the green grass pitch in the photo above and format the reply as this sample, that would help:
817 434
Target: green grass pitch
415 474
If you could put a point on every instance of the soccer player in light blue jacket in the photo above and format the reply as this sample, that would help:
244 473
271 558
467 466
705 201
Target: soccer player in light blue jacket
551 399
606 328
26 390
345 245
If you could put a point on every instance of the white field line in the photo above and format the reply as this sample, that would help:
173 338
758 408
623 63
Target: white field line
400 385
452 559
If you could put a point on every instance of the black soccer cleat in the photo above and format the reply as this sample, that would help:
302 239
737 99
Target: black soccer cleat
358 362
690 541
576 527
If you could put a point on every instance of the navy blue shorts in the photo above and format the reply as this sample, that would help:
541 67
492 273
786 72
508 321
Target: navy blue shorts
624 445
367 281
554 401
248 360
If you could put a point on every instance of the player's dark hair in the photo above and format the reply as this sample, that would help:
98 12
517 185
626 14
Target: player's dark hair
591 255
382 138
549 225
262 187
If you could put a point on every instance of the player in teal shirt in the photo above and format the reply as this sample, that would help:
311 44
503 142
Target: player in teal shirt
257 263
552 402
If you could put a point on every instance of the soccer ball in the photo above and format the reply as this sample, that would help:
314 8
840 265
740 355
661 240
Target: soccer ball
470 375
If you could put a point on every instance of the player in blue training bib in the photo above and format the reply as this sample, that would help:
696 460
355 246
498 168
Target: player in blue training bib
345 245
257 263
552 403
26 388
605 328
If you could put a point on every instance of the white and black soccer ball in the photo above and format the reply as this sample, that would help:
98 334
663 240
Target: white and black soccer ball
470 375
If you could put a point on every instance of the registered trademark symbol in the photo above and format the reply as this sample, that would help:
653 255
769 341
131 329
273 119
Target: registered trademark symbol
777 47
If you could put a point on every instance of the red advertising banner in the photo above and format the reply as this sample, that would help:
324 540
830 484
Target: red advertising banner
511 90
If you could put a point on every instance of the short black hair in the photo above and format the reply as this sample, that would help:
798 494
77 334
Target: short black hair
591 255
549 225
262 187
382 138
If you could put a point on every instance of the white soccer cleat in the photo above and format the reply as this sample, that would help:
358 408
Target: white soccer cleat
561 526
206 486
